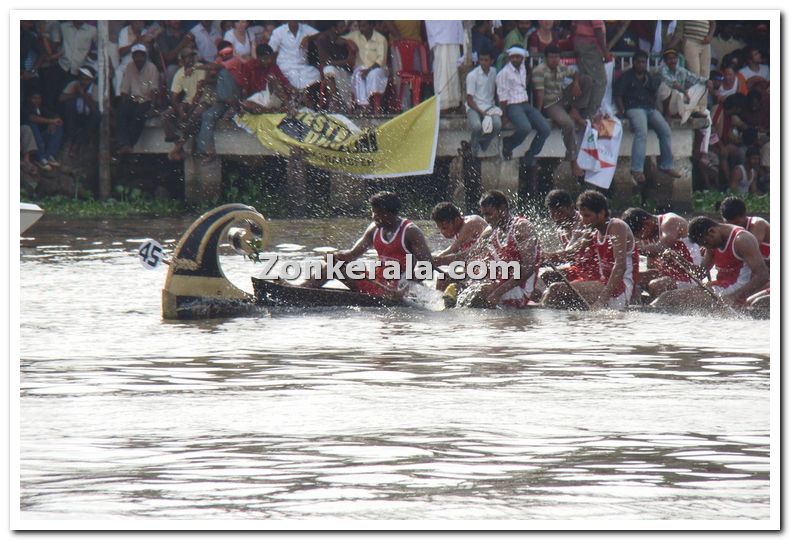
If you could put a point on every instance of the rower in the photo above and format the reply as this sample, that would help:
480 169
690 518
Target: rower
734 211
734 253
575 240
655 234
512 239
464 230
617 260
393 237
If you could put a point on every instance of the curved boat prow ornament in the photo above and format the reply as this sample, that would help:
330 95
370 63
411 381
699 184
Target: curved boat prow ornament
196 286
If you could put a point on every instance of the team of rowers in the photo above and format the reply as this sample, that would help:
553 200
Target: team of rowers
597 265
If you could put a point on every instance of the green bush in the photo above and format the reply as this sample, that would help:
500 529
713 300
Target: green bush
708 201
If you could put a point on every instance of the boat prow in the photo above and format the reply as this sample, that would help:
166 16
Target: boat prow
29 213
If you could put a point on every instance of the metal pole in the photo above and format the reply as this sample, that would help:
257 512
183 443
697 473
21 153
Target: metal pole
103 40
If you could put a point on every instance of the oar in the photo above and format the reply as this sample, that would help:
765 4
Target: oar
684 265
566 280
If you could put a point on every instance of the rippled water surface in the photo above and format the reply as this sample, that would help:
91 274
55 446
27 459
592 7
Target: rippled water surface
402 413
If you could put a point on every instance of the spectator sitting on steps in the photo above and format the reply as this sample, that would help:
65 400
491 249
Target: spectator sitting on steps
560 94
47 130
139 90
81 115
276 93
336 56
481 86
635 97
682 93
369 79
512 93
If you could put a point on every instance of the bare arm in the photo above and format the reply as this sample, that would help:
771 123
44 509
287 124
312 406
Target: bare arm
672 231
360 247
538 96
416 243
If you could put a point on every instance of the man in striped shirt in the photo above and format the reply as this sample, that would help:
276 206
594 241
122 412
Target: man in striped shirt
697 36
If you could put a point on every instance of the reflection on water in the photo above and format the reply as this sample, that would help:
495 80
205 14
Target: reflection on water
370 413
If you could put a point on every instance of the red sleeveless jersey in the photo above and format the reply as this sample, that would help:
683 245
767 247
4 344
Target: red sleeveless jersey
730 267
393 250
509 251
763 246
585 266
606 261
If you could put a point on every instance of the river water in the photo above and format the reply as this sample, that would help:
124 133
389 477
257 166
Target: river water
370 414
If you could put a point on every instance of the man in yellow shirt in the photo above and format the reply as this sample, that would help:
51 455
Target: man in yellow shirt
182 91
370 70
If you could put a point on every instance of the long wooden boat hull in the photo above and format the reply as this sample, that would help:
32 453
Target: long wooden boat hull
269 293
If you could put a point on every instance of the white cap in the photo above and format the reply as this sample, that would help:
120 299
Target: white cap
517 50
139 47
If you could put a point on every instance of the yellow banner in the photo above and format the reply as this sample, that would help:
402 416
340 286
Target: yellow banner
404 145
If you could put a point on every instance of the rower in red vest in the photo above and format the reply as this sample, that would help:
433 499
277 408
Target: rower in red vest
655 234
393 238
575 241
734 253
512 239
734 211
616 255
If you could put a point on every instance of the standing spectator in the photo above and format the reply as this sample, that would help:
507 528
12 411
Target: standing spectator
754 70
206 35
636 97
49 71
559 104
545 36
512 93
139 89
481 85
725 41
78 38
290 42
445 39
80 110
696 37
47 128
590 44
482 37
516 37
682 92
337 58
370 70
169 44
241 38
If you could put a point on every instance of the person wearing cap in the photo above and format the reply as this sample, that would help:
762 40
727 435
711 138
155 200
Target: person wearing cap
635 95
481 87
682 92
560 94
78 103
183 90
130 36
512 93
139 91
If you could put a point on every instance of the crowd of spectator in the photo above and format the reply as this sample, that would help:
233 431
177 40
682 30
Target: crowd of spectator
516 74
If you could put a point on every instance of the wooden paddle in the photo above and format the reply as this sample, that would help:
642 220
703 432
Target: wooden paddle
684 265
566 281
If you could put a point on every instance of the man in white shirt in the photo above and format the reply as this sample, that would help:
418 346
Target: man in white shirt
290 42
207 36
512 93
480 103
445 39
